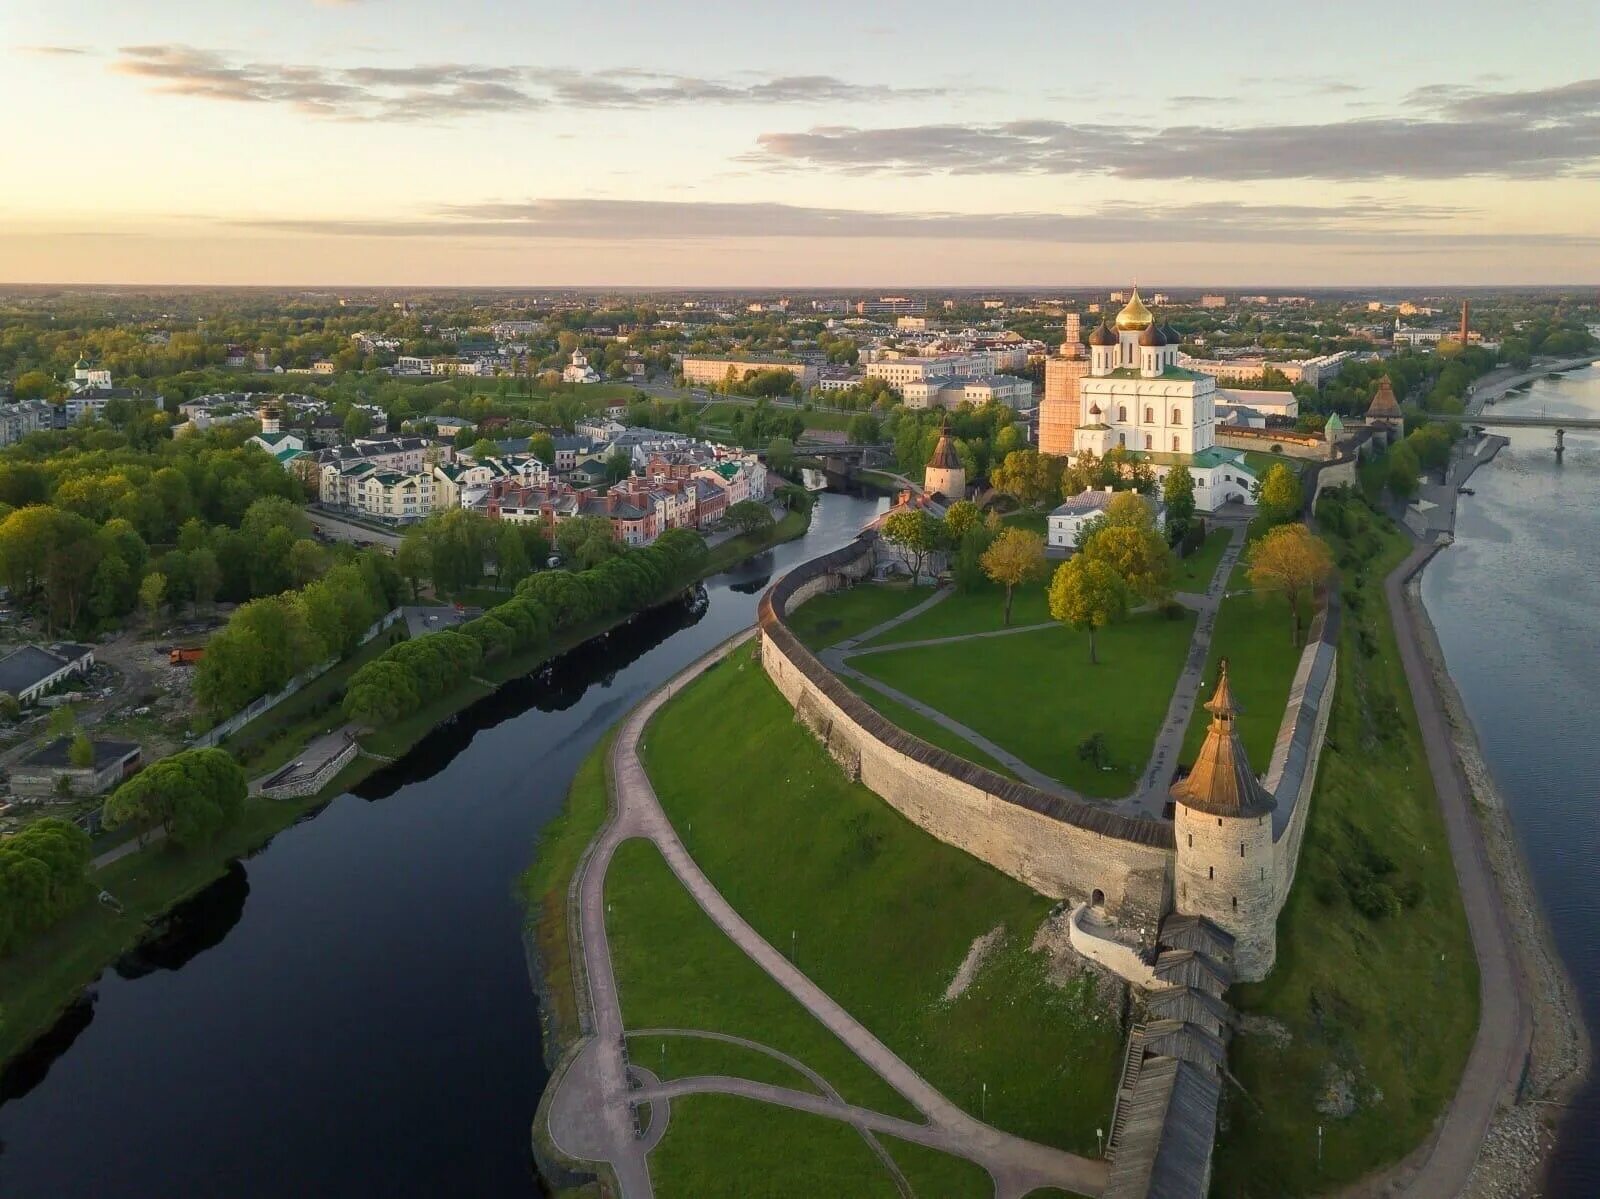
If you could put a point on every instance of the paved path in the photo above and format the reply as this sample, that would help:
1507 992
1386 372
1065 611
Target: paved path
1505 1029
1149 798
131 846
589 1118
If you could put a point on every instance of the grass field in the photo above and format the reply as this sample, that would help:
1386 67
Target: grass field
1392 999
739 547
920 726
676 969
1037 695
670 1056
727 1145
1252 633
829 619
979 611
938 1175
1033 520
881 913
1260 462
1193 574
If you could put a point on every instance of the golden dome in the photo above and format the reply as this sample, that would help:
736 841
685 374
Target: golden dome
1135 316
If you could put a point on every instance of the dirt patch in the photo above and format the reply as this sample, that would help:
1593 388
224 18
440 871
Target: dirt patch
979 953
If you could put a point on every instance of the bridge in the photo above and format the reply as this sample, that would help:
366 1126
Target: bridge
1529 420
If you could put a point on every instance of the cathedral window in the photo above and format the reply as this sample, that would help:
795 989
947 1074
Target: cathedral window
1174 443
1149 416
1177 417
1211 872
1122 412
1147 441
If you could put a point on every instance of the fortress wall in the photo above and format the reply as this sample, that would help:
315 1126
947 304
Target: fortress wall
1292 774
1060 847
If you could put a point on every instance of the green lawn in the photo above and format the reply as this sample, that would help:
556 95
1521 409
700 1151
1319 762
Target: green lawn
1193 574
884 914
1392 998
828 619
1252 633
1260 462
723 1145
920 726
1037 695
936 1175
43 977
668 1057
543 886
676 969
1033 520
977 611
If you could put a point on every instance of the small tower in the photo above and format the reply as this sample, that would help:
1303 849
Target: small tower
271 418
1152 360
1384 411
1102 350
1466 323
1225 867
945 475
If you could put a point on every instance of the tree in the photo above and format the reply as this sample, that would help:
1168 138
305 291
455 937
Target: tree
959 517
511 556
357 423
63 721
1292 560
1016 557
1087 594
1280 497
586 541
619 465
750 516
81 752
205 576
1177 493
1031 477
193 795
306 561
152 590
414 558
863 429
1403 471
916 533
1124 537
543 447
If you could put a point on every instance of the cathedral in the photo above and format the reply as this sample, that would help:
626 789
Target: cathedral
1132 395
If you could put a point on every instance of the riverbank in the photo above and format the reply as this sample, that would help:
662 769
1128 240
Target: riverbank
1520 1138
41 981
1497 383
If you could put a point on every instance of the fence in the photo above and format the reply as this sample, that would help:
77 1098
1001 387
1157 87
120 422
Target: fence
266 703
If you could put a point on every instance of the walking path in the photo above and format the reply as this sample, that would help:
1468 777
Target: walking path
1150 797
589 1116
1439 1170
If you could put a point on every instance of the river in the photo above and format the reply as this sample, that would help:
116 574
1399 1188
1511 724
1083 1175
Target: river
349 1010
1516 601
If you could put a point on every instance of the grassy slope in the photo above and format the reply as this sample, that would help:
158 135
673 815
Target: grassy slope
41 979
979 611
1395 999
920 726
828 619
1194 573
1252 632
736 549
884 912
1037 694
778 1153
676 969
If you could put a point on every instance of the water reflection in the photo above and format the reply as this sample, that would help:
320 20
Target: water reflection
194 926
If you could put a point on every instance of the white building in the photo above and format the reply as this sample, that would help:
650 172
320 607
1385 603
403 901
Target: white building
579 370
86 377
1065 523
1137 398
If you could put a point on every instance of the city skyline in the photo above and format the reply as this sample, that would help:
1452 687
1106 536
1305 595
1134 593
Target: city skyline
369 143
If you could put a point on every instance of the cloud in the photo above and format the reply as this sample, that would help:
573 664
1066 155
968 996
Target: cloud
441 91
1360 221
54 51
1454 131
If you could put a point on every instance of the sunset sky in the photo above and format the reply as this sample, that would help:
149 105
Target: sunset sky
481 142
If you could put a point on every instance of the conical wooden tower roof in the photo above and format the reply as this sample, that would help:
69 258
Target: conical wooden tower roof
1383 403
1221 782
944 454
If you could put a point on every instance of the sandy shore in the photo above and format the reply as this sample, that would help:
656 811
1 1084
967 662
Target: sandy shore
1518 1142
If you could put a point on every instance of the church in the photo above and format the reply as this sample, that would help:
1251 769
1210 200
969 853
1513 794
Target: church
1135 397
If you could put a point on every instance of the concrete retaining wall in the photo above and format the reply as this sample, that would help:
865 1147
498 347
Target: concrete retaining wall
1122 960
1060 847
297 786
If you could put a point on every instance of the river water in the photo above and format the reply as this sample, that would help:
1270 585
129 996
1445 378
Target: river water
1516 602
349 1010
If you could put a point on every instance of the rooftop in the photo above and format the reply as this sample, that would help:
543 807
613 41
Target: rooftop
26 666
56 753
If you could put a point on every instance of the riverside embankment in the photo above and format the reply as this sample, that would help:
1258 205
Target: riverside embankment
348 1010
1504 618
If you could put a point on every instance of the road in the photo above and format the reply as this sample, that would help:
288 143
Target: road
589 1115
343 530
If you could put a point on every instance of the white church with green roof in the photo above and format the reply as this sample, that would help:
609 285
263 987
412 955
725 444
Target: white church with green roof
1137 398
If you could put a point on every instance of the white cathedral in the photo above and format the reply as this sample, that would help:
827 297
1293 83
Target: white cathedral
1135 396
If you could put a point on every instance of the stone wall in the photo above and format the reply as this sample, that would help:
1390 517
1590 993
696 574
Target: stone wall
1060 847
1289 442
297 785
1292 774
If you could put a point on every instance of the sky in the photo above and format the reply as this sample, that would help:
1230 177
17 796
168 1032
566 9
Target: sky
481 142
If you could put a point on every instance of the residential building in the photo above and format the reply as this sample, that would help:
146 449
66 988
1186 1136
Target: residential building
22 417
1213 301
1065 523
713 371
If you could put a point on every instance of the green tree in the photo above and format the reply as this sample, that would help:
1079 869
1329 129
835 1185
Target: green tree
780 455
1279 498
1016 557
414 558
916 533
959 517
511 556
864 429
81 752
1403 473
1293 561
1177 493
1087 594
192 796
152 590
750 516
205 575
